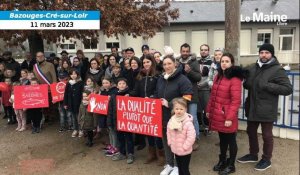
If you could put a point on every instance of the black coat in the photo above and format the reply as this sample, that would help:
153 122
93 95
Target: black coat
175 86
264 85
97 77
131 78
29 67
73 96
14 65
194 76
112 108
144 87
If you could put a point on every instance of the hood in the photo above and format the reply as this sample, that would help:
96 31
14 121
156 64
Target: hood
235 71
189 118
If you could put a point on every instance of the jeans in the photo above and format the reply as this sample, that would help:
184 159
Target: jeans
155 142
125 139
183 163
168 153
267 135
64 117
193 111
74 119
113 138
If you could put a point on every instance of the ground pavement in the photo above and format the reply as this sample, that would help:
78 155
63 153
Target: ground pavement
51 152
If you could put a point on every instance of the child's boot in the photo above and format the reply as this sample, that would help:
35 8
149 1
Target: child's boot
90 136
230 167
221 164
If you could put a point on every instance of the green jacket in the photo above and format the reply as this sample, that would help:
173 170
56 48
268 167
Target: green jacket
264 85
85 118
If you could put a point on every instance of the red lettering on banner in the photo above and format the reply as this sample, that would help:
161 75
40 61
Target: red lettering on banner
31 96
57 91
139 115
98 104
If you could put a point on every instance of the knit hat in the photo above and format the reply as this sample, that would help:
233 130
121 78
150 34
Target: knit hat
268 47
145 47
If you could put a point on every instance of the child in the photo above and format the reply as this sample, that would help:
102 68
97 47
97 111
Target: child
124 138
20 113
107 90
86 119
30 75
64 118
7 105
10 73
24 77
72 99
181 135
35 114
116 73
90 85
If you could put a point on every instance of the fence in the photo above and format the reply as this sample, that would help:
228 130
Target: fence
288 107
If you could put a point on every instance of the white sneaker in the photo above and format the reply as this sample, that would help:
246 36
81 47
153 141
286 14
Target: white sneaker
167 170
75 133
80 133
175 171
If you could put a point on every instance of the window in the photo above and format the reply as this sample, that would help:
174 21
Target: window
90 44
264 36
198 38
245 41
219 39
110 44
177 38
286 39
67 46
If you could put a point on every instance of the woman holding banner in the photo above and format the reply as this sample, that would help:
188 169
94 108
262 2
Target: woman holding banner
171 84
145 87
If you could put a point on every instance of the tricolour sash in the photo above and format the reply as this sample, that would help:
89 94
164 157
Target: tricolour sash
40 74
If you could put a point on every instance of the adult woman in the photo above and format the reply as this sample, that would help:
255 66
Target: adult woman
213 71
65 67
159 65
112 61
145 87
78 66
222 110
95 71
135 66
85 63
171 84
104 65
99 57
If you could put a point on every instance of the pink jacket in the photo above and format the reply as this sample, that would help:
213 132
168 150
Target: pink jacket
181 142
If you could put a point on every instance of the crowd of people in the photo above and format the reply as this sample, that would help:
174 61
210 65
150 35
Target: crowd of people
197 93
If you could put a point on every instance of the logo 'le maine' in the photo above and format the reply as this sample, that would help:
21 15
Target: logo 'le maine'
261 17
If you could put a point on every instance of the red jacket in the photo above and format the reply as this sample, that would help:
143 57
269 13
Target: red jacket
224 103
6 95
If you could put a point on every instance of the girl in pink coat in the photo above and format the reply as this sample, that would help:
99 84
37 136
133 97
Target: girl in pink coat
181 135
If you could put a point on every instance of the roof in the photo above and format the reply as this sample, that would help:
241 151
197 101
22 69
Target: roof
214 10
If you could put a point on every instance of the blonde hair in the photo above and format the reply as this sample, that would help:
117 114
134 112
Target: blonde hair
181 101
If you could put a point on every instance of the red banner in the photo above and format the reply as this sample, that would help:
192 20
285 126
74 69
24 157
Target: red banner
31 96
57 91
98 104
139 115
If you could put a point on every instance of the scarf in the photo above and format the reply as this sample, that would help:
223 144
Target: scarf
167 76
184 61
261 63
94 71
175 122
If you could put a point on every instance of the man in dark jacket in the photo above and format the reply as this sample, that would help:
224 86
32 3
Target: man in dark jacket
266 80
11 63
28 62
190 68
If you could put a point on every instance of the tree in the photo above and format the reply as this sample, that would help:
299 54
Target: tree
134 17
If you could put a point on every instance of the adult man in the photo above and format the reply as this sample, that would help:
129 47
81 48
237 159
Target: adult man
265 81
45 73
129 52
28 62
145 50
203 88
11 64
64 54
190 68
